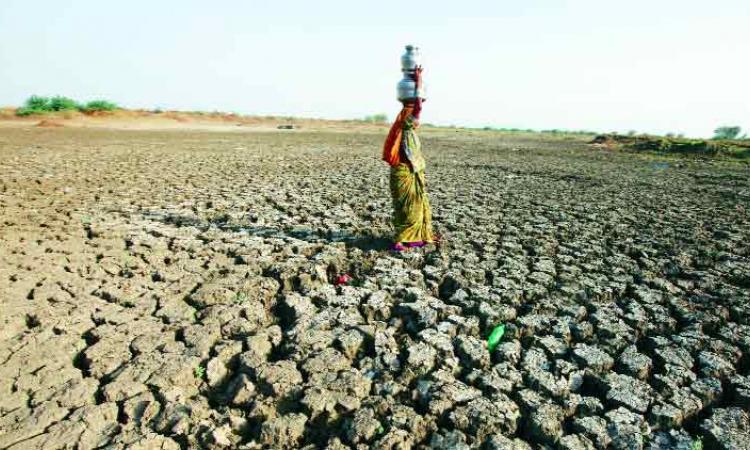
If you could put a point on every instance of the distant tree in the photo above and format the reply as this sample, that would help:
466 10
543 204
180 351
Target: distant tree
37 103
60 103
34 105
727 132
98 105
41 105
377 118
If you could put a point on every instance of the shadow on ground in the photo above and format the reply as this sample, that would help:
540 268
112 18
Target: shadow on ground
362 240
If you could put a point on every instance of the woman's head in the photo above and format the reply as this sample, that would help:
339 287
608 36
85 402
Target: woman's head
410 101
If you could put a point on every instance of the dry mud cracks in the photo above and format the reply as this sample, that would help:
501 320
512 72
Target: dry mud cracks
174 290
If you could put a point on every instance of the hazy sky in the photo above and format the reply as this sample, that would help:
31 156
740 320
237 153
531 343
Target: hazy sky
657 66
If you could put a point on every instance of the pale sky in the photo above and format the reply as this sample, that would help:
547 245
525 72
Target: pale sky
651 66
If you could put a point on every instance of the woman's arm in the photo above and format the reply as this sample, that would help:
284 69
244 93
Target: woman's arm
417 86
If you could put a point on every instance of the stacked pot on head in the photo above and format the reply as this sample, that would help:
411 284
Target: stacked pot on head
406 88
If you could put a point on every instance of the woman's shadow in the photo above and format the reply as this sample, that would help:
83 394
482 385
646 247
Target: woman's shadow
365 241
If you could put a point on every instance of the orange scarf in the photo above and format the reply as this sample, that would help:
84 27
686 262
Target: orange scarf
392 146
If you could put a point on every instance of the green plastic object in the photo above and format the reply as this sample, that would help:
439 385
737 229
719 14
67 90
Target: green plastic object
495 337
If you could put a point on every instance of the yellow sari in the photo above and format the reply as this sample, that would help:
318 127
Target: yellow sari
412 216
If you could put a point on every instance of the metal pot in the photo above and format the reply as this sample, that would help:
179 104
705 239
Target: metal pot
410 59
409 62
406 89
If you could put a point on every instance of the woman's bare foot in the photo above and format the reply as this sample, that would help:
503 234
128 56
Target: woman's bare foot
398 247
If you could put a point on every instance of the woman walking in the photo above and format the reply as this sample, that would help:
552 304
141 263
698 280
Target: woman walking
412 217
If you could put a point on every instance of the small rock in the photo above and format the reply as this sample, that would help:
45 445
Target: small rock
582 331
362 427
555 347
545 424
675 356
634 364
482 417
491 382
626 429
328 360
535 359
278 378
283 432
576 442
671 440
727 429
672 378
219 436
472 352
594 428
687 402
350 342
590 406
708 390
546 382
394 440
421 358
216 372
500 442
593 358
713 365
740 391
509 351
377 307
449 440
630 392
664 416
241 390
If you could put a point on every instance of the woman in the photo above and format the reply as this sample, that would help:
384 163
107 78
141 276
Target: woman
412 218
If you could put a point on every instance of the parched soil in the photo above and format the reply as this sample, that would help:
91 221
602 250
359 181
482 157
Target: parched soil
177 289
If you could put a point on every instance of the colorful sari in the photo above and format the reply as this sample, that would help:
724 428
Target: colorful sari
412 216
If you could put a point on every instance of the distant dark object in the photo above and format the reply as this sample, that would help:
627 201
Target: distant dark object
727 132
677 145
285 127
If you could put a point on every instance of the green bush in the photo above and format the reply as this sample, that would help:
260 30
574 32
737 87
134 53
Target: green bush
41 105
727 132
62 104
24 111
38 103
98 105
34 105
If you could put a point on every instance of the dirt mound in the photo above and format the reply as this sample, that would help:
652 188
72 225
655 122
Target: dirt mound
176 116
49 123
674 145
7 113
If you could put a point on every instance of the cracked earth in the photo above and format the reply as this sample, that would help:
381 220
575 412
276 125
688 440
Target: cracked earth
168 290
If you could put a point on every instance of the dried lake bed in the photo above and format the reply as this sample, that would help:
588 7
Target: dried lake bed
175 289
